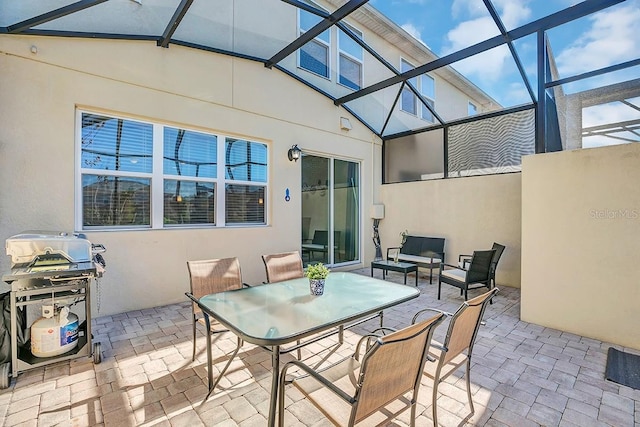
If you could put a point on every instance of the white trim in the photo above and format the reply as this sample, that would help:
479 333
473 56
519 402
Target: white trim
157 191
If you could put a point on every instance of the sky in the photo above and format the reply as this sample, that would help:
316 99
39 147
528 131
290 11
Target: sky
609 37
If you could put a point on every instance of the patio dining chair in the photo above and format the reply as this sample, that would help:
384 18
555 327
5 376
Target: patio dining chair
446 358
477 274
465 260
375 388
283 266
208 277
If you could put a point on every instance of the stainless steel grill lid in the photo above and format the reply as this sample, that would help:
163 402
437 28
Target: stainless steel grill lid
54 246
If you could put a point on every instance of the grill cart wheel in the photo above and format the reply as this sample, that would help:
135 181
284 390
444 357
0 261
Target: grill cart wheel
97 353
4 375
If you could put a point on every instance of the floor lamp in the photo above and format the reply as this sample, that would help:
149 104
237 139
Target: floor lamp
377 213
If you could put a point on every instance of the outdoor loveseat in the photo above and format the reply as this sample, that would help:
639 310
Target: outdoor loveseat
426 252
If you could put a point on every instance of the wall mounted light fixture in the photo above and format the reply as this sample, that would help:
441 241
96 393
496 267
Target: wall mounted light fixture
294 153
345 124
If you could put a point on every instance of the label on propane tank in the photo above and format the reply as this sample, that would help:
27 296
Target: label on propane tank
68 333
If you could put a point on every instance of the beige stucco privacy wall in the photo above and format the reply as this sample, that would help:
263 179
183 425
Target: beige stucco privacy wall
470 213
581 242
186 87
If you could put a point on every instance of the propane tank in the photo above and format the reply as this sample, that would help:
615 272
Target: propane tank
54 335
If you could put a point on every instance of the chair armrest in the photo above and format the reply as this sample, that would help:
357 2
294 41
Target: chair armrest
424 310
442 264
368 338
463 256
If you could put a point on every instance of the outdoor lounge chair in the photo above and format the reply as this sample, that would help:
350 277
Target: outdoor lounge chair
464 260
478 273
351 391
208 277
456 350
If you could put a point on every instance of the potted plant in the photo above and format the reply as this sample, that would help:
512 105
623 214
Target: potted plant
316 273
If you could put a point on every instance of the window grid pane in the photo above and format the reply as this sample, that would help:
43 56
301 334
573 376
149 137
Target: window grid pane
115 201
116 144
189 202
426 114
408 100
350 73
245 160
245 204
189 153
314 57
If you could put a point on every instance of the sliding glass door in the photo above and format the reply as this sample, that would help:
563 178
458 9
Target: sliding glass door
330 210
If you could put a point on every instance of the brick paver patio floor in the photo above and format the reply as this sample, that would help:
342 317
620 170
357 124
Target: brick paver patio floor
522 375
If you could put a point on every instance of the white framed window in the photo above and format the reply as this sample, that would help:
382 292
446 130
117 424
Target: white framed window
408 100
428 92
426 85
314 56
136 174
472 109
350 60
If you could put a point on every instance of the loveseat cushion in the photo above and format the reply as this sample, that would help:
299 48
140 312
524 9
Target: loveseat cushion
419 259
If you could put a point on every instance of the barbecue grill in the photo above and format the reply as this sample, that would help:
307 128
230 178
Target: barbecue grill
50 272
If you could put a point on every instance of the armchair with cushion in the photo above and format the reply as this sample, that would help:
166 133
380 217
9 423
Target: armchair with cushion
373 388
456 350
464 260
477 274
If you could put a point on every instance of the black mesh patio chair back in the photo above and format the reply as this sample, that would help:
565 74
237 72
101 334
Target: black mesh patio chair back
464 260
477 274
494 262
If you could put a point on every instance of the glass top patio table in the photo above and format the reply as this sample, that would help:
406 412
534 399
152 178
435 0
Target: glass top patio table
282 312
278 313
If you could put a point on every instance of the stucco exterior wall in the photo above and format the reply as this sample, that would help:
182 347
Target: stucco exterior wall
40 93
581 242
470 213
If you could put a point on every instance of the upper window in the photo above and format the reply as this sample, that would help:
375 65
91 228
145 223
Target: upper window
426 86
428 92
472 109
408 101
148 175
314 56
350 57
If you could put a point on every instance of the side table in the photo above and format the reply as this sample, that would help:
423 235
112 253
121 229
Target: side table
401 267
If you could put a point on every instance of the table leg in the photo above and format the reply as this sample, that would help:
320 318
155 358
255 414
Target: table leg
416 278
275 372
405 277
207 324
371 271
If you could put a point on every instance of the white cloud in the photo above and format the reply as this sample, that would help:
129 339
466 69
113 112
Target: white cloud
412 30
489 66
614 37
